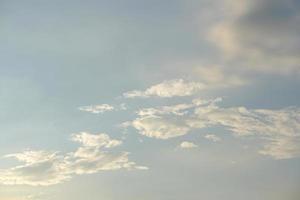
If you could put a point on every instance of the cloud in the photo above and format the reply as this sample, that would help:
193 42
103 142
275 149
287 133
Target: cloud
212 137
260 34
282 147
179 109
160 127
38 196
170 88
210 78
278 130
187 145
218 77
42 168
99 140
167 121
96 109
39 168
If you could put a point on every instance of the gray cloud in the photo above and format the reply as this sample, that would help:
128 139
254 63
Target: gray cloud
260 34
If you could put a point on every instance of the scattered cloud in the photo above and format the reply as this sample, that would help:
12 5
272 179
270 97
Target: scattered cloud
277 129
170 88
213 137
48 168
187 145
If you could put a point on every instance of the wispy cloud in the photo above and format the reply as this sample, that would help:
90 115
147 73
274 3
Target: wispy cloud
170 88
260 34
97 108
277 129
212 137
48 168
102 108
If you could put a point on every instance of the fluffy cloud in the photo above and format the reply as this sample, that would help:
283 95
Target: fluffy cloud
187 145
49 168
96 109
260 34
277 129
160 127
212 137
167 121
170 88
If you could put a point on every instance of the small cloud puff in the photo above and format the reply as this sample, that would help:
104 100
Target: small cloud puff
187 145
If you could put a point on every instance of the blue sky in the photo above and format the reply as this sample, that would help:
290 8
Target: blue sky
149 100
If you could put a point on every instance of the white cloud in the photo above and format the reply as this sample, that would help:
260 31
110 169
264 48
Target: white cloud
279 130
99 140
49 168
187 145
170 88
167 121
179 109
160 127
96 109
212 137
163 122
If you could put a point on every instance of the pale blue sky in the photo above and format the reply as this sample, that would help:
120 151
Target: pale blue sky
59 60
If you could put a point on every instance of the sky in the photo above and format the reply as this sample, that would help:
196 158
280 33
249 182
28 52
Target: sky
149 100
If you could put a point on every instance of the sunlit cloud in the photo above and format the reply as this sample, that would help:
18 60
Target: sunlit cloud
43 168
170 88
278 130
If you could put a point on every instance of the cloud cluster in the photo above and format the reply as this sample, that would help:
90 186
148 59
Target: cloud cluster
260 34
49 168
279 130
